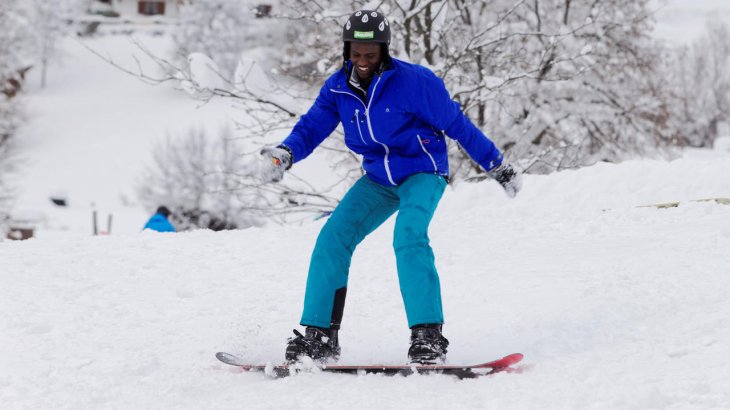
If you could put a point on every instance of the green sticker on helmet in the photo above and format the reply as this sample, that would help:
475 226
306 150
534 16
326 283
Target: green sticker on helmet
364 35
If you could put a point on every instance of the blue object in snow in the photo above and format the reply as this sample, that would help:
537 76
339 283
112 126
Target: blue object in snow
159 223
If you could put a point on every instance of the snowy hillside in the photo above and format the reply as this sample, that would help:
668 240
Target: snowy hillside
613 306
92 132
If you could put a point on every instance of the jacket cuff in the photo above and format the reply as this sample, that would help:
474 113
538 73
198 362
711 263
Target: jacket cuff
494 163
291 154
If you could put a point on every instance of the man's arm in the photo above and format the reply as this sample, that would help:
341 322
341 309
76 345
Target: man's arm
313 127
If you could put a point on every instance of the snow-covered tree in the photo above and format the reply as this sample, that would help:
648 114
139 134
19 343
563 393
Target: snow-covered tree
51 21
207 183
700 86
562 84
16 50
556 83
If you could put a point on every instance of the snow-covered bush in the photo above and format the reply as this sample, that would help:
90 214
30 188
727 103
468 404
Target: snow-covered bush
213 182
193 176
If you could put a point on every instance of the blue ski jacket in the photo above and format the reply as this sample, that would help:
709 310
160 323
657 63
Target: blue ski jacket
399 128
159 223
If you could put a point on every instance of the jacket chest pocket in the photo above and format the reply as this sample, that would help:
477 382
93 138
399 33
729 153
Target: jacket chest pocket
356 128
392 123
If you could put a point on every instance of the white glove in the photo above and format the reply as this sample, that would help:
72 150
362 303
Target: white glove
276 161
508 176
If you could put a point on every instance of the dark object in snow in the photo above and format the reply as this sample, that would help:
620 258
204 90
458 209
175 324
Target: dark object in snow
95 224
11 84
462 372
20 234
59 201
89 28
164 211
21 226
263 10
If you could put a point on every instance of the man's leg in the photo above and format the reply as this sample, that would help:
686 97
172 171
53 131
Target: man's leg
365 207
419 281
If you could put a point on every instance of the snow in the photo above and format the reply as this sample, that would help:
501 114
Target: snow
613 305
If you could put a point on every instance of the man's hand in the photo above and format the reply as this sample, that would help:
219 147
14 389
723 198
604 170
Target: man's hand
276 161
508 176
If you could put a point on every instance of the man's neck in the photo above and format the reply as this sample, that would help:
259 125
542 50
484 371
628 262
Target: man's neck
358 84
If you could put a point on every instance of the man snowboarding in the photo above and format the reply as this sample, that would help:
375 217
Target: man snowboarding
396 115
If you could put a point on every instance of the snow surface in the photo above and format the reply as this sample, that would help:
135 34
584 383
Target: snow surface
614 306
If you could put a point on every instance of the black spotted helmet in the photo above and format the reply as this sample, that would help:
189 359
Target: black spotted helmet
366 26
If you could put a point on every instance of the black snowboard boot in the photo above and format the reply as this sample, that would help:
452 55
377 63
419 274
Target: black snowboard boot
317 344
428 345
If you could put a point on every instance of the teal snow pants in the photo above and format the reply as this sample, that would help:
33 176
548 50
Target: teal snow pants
365 207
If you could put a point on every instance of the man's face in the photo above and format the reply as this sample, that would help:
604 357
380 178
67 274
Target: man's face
365 58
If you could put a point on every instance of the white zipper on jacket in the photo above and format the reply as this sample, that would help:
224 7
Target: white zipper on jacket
357 112
359 131
370 127
423 147
372 135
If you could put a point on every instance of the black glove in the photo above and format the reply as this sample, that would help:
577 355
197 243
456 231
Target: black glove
508 176
276 161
